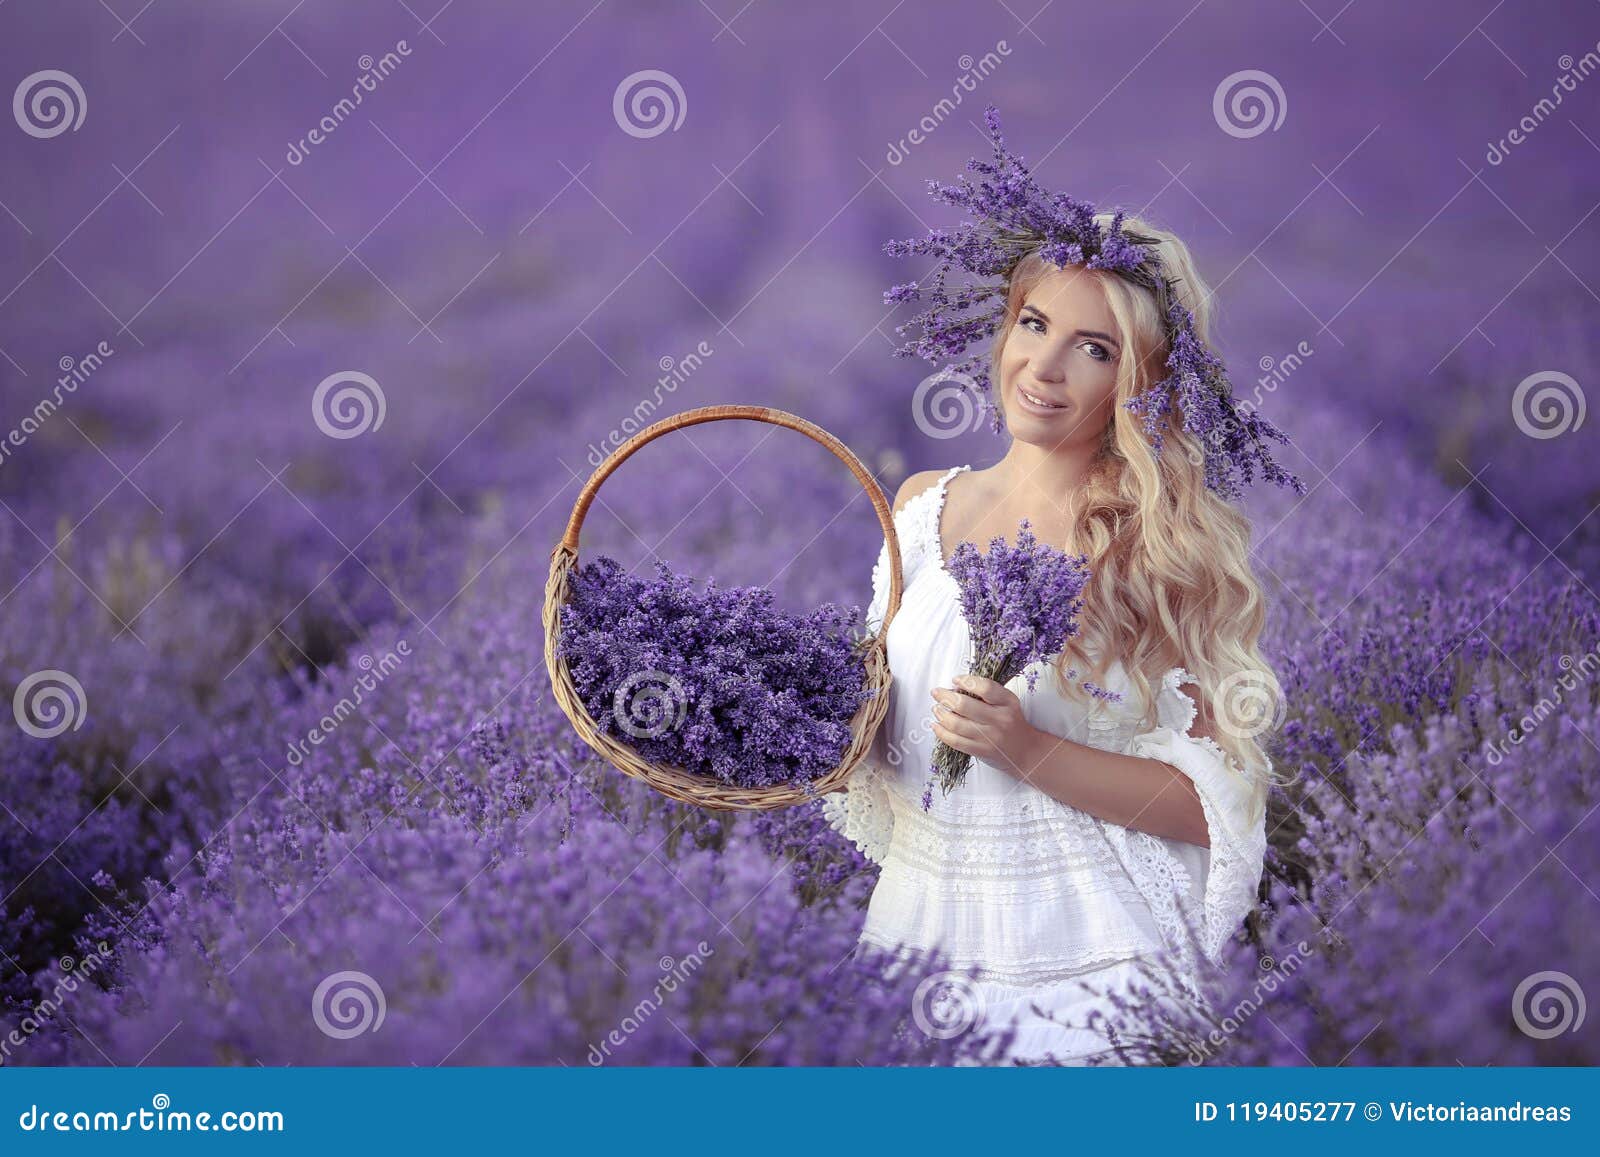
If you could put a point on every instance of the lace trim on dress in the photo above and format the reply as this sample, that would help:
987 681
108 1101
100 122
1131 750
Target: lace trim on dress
1238 836
935 516
862 811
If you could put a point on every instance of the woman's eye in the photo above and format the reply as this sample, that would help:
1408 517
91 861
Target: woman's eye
1030 322
1097 351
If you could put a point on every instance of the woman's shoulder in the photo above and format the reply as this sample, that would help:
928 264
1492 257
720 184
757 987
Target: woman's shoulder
916 484
921 483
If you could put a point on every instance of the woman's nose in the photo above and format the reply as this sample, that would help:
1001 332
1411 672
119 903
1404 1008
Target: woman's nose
1051 367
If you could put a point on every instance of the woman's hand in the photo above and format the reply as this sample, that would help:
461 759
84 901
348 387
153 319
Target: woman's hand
987 723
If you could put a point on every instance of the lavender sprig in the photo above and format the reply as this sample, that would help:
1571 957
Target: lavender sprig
1021 606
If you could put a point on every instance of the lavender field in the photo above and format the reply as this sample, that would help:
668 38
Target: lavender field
315 318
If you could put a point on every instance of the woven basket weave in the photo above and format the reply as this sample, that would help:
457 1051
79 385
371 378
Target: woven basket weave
675 782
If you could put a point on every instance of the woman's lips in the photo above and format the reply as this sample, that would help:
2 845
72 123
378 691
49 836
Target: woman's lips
1042 408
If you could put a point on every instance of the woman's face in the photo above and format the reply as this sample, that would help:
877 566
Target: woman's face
1058 370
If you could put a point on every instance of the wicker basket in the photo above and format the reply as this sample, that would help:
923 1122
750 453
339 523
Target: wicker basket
672 781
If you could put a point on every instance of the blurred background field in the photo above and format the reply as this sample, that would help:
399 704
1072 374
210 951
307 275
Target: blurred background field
523 270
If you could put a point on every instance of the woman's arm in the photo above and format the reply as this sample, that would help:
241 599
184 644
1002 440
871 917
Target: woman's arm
1144 794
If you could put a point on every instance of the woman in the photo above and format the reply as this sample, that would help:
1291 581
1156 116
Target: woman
1089 835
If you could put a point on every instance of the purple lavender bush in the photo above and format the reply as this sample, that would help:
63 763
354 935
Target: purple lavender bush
499 892
720 683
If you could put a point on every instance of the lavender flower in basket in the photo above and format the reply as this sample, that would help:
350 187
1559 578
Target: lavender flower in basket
719 683
1021 606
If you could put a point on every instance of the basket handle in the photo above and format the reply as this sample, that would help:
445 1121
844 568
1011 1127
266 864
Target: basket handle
694 417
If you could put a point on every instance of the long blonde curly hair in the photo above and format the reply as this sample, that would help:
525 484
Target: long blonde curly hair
1171 583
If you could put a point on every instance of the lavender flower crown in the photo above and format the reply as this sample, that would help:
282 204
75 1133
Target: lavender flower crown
1010 215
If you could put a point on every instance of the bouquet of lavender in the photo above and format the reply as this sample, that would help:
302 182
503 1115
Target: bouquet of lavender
718 683
1021 606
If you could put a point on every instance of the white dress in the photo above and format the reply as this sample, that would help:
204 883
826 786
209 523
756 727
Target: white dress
1038 894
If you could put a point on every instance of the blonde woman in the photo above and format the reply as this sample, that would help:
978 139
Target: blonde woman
1089 834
